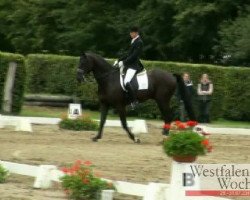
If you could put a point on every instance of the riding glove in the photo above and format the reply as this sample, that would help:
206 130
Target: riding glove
121 64
115 63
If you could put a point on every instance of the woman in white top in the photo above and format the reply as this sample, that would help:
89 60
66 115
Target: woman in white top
204 91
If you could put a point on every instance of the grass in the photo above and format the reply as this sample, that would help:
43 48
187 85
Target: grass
41 111
230 124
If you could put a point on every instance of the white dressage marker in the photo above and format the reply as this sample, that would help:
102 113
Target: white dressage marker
21 124
137 126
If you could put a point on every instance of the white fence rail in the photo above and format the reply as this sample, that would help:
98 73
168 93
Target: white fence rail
24 123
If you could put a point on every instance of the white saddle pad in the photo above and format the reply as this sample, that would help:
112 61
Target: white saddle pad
142 79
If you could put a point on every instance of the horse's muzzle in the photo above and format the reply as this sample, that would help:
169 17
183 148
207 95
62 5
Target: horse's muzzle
80 77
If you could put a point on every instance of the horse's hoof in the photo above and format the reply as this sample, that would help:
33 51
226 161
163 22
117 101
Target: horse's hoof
137 141
94 139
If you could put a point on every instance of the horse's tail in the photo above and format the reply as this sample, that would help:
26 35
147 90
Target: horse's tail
185 97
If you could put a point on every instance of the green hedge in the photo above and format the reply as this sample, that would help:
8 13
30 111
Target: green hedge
19 84
216 74
237 96
55 74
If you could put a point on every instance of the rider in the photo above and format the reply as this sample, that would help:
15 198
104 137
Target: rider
131 63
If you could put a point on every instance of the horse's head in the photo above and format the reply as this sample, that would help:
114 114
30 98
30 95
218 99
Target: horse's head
83 68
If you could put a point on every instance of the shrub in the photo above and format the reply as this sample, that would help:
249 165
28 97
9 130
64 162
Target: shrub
80 182
185 143
20 78
78 124
3 174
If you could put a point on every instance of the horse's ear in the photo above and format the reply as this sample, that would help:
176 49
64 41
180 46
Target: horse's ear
83 55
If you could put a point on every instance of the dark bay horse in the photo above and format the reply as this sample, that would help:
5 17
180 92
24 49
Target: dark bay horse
162 86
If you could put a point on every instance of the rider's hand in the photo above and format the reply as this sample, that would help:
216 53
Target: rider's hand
121 64
115 63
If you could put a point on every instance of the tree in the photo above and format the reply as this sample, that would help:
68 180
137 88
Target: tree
156 19
235 40
196 27
177 30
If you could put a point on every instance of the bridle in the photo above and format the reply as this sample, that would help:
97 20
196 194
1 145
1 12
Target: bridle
97 77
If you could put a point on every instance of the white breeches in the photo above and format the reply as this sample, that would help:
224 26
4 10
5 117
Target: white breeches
129 75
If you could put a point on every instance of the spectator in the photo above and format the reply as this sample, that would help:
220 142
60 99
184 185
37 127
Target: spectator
204 91
190 92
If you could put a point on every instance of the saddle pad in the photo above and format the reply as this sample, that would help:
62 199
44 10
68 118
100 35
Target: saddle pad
142 80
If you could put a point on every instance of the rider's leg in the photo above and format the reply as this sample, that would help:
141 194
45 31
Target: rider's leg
128 77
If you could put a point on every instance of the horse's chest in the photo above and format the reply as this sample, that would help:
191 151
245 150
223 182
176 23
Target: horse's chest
108 94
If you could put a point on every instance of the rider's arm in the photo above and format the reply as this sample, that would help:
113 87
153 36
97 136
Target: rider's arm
134 55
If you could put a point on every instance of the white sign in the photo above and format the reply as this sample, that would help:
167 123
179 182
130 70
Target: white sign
75 111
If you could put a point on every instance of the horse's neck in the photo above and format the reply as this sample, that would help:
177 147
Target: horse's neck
100 68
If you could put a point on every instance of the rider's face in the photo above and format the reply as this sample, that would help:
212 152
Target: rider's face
133 34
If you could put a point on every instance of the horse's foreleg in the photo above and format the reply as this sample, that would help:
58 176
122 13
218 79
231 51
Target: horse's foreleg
166 114
122 113
104 113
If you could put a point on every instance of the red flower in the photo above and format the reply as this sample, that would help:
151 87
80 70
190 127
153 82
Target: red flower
65 170
68 171
209 149
167 126
177 122
192 123
181 126
78 162
205 142
87 163
75 168
85 181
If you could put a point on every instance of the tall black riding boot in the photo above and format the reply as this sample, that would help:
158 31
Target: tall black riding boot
132 95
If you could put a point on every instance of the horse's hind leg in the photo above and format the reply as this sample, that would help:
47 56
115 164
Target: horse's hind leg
122 113
104 112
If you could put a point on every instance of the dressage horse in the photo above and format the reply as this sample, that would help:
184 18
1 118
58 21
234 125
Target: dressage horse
161 87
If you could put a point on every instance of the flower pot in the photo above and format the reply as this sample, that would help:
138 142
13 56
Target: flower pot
187 159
